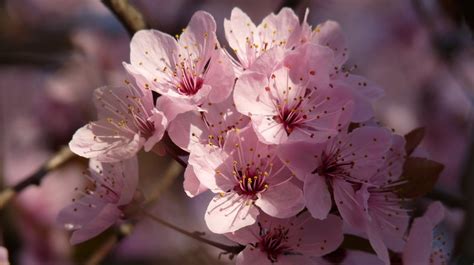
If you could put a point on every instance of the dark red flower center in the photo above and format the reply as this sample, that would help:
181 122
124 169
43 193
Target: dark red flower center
250 183
190 84
273 242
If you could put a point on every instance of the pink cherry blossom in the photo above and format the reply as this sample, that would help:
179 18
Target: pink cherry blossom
247 176
364 91
283 109
249 41
127 122
341 163
113 188
187 72
421 247
296 240
209 126
385 219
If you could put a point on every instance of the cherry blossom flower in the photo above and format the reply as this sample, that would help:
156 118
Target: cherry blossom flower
247 176
249 41
113 189
284 110
421 246
364 91
385 219
208 126
296 240
127 122
187 72
338 165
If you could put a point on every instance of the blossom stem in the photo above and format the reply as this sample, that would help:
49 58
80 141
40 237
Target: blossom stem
128 15
60 158
228 249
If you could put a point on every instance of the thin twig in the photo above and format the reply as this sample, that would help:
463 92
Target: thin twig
128 15
60 158
228 249
447 199
103 251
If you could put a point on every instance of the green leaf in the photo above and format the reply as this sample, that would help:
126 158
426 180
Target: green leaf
419 177
413 139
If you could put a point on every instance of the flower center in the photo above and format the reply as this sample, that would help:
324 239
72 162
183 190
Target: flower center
250 183
331 166
290 118
273 242
190 84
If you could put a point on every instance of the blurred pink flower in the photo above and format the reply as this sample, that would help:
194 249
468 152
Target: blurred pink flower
285 110
288 241
342 163
420 247
114 187
187 72
127 122
4 256
248 176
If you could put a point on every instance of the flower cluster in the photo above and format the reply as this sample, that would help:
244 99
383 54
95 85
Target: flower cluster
278 128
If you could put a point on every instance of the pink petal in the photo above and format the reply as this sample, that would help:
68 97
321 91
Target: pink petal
280 27
251 255
281 201
105 141
365 93
79 214
106 218
247 235
318 237
366 147
300 157
160 122
205 161
310 64
269 62
268 130
250 96
150 52
347 204
420 239
317 196
377 243
229 212
214 122
220 77
192 185
237 29
330 34
127 171
172 107
201 30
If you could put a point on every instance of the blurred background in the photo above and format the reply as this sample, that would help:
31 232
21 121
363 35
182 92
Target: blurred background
54 53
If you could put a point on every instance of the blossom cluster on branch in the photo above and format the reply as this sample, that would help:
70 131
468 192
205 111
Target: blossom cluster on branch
277 127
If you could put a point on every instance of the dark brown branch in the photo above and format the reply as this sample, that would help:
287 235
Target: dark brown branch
228 249
128 15
447 199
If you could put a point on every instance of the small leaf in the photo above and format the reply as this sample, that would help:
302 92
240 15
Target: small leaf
413 139
419 177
